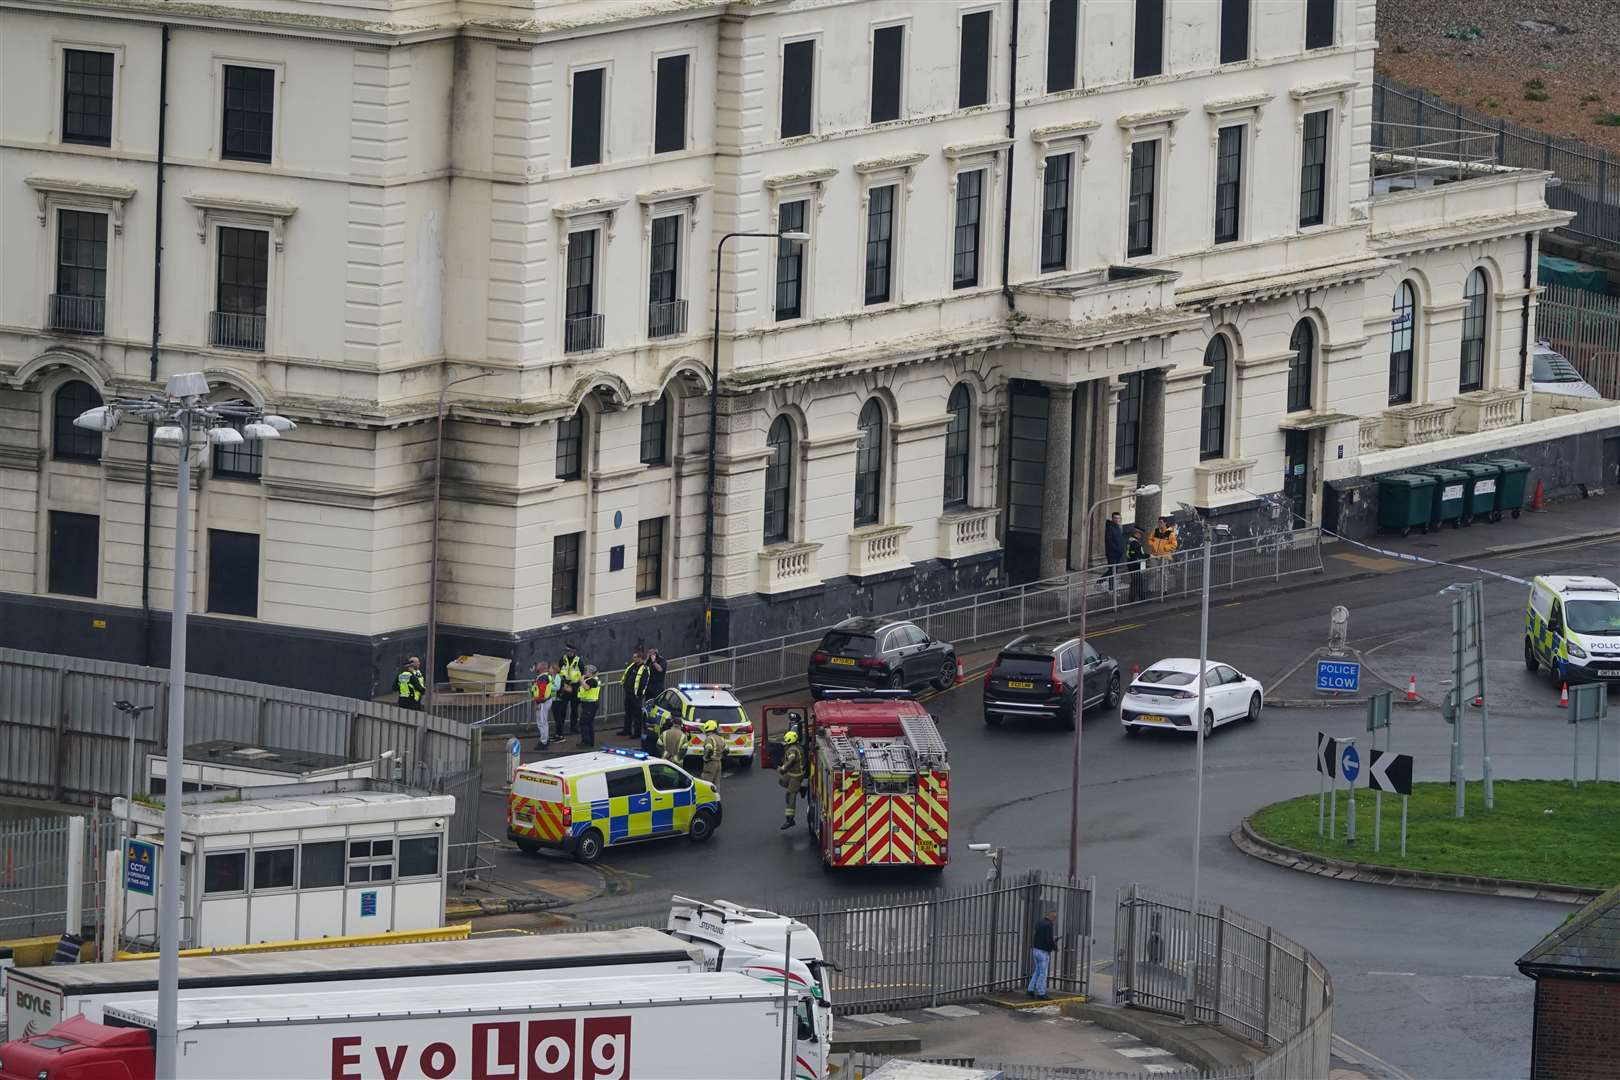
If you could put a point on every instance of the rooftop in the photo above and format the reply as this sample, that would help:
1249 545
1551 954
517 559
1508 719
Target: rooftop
1588 944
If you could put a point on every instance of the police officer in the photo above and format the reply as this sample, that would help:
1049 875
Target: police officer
590 693
634 682
714 752
568 669
1135 556
791 772
672 744
411 685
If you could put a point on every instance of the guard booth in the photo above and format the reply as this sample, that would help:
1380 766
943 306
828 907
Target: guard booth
285 862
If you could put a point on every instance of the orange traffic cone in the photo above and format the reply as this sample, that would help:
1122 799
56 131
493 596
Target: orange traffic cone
1563 697
1136 669
1479 702
1538 499
961 676
1411 688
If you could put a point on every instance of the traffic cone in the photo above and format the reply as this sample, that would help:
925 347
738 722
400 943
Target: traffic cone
1563 697
1538 499
961 676
1479 702
1136 669
1411 688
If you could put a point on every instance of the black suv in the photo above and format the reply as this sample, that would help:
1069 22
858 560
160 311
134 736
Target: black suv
867 653
1036 676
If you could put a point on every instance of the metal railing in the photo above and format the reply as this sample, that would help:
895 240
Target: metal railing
582 333
78 314
1247 978
966 620
33 873
1584 327
666 318
229 330
1589 177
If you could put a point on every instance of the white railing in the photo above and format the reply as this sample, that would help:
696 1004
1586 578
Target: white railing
967 532
230 330
1487 410
877 549
1223 481
1369 438
784 567
1412 425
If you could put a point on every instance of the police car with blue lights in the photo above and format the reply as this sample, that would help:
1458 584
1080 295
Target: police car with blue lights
691 704
583 803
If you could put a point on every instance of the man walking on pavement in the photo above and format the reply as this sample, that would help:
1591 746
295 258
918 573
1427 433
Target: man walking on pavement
544 691
714 752
1113 546
672 744
411 685
1042 948
590 694
568 692
1135 556
634 682
791 772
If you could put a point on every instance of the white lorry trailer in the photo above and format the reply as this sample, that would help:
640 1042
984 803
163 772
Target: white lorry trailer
707 1026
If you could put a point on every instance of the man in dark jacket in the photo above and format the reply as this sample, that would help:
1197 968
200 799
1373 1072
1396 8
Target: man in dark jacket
1135 556
1113 545
1041 948
657 667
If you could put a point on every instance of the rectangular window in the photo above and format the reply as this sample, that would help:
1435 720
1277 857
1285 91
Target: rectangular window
669 105
419 856
1313 169
1319 20
320 865
1062 40
565 573
74 553
626 782
585 125
879 243
666 311
225 872
233 573
1149 46
87 94
790 255
1228 182
79 304
370 860
798 88
239 461
570 446
1234 30
250 110
1055 213
273 868
650 558
888 67
973 68
1144 180
582 325
969 202
241 289
655 432
1127 424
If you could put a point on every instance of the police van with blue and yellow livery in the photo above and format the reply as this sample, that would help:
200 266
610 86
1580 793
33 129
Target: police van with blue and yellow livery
1572 625
583 803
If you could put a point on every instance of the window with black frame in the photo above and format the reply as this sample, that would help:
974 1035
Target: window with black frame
69 441
779 481
1313 169
1320 16
238 461
1212 414
1402 334
242 288
666 311
650 536
233 573
973 61
1140 210
565 573
790 255
1229 183
571 446
1476 295
1062 44
797 115
87 97
1055 187
1148 51
869 464
879 243
249 114
1235 30
1301 366
1127 424
888 72
669 104
73 553
969 206
582 325
958 435
79 304
655 431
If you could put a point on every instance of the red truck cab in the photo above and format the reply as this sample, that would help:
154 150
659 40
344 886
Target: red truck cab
80 1049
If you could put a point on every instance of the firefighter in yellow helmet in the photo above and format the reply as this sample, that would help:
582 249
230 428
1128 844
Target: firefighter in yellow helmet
672 743
714 752
791 773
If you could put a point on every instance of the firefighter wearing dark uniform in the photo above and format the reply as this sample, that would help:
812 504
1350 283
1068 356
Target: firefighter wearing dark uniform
590 694
714 752
792 773
569 669
634 682
411 686
672 744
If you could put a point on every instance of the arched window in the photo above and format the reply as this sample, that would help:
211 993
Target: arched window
1301 366
1402 332
779 481
957 440
1472 373
67 441
1212 418
869 464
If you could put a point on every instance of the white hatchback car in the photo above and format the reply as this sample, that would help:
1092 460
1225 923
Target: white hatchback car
1165 696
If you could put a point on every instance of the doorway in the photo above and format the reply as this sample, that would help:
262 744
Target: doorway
1297 476
1026 479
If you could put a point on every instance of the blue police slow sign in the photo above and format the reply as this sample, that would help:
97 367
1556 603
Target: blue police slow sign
1350 765
1338 675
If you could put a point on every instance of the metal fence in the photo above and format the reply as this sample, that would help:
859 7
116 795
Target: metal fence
1246 978
1585 327
34 873
965 620
1406 118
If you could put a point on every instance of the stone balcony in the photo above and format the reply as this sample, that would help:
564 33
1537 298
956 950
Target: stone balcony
967 532
877 549
1411 425
1222 481
786 567
1488 410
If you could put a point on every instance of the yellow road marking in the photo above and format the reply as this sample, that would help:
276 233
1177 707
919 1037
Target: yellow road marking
1234 603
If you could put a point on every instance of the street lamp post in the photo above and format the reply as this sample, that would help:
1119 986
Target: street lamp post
1085 557
433 550
134 713
181 409
714 421
1198 797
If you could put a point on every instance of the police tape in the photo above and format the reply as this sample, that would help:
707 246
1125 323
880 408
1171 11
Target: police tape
1407 557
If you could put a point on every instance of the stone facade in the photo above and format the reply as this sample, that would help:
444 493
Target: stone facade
427 191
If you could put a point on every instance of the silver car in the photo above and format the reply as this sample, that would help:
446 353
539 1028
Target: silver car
1551 373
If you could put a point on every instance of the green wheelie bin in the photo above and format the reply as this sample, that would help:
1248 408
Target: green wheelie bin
1511 487
1450 492
1404 502
1480 504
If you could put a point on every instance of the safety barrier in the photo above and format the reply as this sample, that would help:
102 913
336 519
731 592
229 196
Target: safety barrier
33 873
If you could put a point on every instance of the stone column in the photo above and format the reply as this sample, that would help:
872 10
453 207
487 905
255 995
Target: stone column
1097 442
1150 447
1055 494
1080 494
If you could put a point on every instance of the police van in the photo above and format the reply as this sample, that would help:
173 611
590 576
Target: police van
1572 625
582 803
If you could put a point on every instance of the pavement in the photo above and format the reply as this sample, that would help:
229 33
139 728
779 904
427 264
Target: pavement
1424 980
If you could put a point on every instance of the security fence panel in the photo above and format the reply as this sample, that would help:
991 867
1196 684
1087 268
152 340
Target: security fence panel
34 873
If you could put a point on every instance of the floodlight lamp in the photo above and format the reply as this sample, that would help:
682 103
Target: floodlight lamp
795 235
280 423
187 384
1146 489
100 418
169 433
224 436
260 430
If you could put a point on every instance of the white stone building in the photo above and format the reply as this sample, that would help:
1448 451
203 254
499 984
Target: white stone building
1146 243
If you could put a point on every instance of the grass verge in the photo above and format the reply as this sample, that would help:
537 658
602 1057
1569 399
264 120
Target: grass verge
1540 830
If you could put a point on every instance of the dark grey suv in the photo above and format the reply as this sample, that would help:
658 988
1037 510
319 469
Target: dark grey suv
869 653
1040 677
